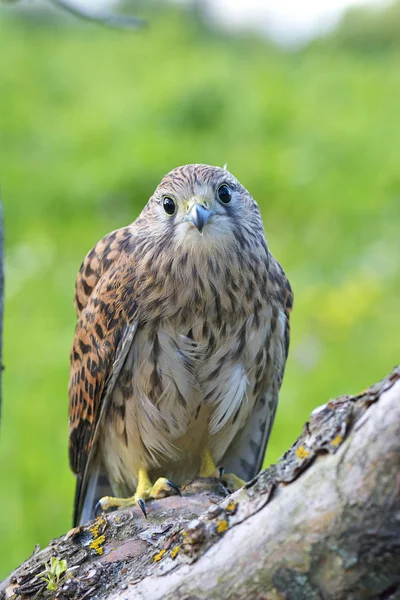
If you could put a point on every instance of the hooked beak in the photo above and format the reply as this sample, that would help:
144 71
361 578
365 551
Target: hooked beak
199 215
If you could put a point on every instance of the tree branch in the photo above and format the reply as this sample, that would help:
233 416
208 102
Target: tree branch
321 524
102 18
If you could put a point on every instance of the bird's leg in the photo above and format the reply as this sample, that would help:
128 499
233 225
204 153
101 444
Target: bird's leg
144 490
208 469
232 481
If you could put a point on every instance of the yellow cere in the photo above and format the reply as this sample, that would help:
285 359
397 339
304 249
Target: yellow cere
301 452
222 526
174 551
337 441
159 556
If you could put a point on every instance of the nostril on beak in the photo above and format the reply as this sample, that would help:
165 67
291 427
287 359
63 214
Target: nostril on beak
199 216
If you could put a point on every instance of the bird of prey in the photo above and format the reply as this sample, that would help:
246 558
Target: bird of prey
180 345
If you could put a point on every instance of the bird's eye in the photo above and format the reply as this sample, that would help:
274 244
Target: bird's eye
169 205
224 194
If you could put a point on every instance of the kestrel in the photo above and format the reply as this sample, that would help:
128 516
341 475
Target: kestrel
180 346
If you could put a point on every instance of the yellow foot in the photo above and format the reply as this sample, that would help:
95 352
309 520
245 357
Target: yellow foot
145 490
208 469
231 481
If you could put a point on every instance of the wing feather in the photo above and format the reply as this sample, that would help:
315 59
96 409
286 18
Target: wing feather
106 307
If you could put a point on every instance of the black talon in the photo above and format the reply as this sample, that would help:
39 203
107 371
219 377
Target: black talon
142 507
174 487
221 471
98 509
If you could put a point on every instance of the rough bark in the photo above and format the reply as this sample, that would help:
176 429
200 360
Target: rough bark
321 524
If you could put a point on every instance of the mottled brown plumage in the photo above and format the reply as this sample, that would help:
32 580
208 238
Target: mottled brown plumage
181 340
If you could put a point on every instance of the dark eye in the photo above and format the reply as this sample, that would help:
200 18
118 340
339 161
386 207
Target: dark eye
224 194
169 205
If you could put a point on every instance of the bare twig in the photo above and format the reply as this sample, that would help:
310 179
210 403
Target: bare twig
101 17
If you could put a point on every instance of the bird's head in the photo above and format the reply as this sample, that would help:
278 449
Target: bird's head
203 207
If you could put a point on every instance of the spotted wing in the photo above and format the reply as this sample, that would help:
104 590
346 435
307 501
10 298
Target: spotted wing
245 454
106 308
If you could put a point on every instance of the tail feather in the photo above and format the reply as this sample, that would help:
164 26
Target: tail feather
97 487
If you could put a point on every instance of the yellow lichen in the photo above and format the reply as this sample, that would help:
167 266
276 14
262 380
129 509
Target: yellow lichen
337 441
301 452
96 544
94 530
222 526
174 551
231 507
159 556
98 540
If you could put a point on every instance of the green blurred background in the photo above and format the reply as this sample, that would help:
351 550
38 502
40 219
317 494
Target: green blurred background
90 121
